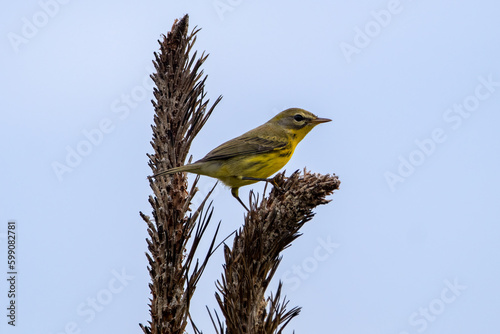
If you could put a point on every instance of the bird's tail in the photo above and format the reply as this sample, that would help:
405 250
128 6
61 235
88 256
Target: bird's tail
185 168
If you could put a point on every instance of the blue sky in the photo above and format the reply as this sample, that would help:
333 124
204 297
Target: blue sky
409 243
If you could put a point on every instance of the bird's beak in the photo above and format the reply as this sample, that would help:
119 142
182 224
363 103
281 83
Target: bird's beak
320 120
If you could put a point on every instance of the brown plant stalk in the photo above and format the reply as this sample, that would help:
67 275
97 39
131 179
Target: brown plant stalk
251 263
181 110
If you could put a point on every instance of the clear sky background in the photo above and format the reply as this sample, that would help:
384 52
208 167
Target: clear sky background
409 244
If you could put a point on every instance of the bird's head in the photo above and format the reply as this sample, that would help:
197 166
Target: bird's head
297 122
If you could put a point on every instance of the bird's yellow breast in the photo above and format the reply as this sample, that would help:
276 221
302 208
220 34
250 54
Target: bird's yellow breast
261 166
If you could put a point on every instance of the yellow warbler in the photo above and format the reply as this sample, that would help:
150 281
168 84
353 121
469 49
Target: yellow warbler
256 154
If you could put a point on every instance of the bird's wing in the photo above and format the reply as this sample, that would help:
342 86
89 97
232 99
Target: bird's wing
248 143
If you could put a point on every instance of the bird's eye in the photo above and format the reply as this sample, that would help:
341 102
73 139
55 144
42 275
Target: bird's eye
298 117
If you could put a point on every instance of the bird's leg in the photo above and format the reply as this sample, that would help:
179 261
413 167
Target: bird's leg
234 192
269 180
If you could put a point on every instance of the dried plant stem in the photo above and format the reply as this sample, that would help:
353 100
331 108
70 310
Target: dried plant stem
180 112
270 227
